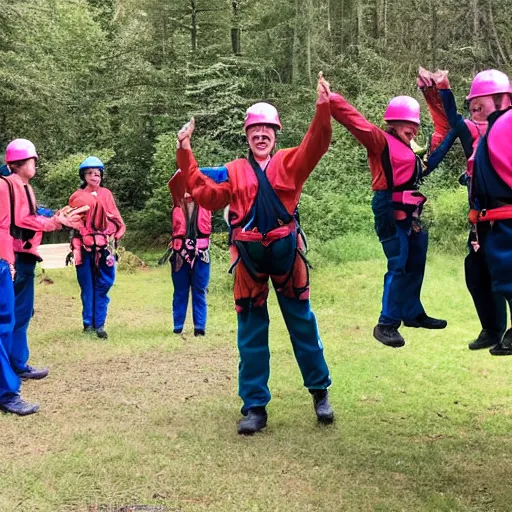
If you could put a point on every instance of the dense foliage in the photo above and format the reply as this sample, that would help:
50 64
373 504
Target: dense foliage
117 78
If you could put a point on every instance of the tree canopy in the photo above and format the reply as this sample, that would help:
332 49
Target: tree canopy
118 78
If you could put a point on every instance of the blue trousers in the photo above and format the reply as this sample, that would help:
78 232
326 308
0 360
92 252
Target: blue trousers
254 366
9 381
490 307
197 279
24 294
95 283
497 248
406 253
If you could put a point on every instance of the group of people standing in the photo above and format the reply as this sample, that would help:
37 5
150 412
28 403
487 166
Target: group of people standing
96 226
262 192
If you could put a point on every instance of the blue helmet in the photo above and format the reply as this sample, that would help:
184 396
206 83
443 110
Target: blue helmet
91 162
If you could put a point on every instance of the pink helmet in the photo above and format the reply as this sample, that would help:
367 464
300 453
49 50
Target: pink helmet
262 113
489 82
20 149
403 108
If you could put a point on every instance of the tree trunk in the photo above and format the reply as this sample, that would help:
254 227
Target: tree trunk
309 22
376 19
328 6
476 21
193 25
295 45
235 29
360 22
494 32
433 33
385 20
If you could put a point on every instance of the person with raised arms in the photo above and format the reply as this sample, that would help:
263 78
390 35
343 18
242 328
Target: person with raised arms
262 192
397 204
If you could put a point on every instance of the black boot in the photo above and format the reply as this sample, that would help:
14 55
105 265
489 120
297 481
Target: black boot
486 339
255 420
101 333
388 335
426 322
505 347
323 408
199 332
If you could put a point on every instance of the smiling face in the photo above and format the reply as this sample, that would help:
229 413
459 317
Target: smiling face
261 139
92 177
405 130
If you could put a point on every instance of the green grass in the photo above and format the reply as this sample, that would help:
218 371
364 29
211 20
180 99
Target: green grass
149 417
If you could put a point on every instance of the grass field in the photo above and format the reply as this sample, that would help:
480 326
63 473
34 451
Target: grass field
149 418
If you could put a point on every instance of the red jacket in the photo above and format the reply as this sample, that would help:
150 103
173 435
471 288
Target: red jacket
180 228
25 217
6 241
105 217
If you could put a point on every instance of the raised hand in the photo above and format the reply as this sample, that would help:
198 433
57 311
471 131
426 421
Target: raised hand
425 78
323 88
441 79
185 134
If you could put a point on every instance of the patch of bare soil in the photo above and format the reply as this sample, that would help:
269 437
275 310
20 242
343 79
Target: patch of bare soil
115 394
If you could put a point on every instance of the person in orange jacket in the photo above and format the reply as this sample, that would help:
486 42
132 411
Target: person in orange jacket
10 383
262 192
190 256
94 244
27 230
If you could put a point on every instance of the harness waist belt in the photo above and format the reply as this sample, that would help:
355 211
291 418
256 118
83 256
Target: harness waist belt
268 238
500 213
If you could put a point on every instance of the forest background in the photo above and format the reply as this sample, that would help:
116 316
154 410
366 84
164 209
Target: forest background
118 78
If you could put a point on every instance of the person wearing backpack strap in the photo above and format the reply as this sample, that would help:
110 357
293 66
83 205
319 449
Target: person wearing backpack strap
491 186
397 205
27 231
94 244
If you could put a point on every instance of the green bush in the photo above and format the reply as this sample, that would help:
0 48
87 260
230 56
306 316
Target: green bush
446 218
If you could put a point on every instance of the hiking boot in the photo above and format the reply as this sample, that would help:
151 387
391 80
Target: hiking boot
89 329
255 420
388 335
426 322
505 347
101 333
486 339
199 332
16 405
323 409
178 331
33 373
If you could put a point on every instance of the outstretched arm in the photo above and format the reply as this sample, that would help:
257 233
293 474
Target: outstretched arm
457 121
437 156
429 84
366 133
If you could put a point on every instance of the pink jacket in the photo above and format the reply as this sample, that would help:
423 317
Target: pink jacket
25 217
